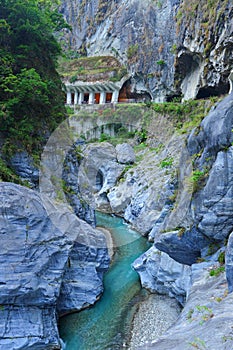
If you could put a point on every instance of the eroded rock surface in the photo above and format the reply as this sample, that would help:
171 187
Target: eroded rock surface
98 172
159 273
207 226
36 251
209 211
206 319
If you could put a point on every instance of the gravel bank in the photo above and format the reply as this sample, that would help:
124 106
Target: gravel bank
152 318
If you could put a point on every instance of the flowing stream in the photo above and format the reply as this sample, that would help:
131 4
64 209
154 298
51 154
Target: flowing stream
106 325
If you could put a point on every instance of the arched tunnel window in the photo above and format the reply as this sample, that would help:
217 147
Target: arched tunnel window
99 180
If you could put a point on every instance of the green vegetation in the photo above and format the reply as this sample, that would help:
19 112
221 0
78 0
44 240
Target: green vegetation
187 115
217 271
166 162
181 231
104 137
91 68
190 314
203 312
6 174
198 344
161 62
132 51
221 258
31 98
197 179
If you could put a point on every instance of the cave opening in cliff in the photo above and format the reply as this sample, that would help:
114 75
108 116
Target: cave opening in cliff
221 89
128 94
99 180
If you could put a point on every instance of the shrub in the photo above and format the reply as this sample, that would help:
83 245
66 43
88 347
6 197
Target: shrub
166 162
160 62
216 271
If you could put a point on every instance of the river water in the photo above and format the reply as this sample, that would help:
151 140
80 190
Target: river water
107 324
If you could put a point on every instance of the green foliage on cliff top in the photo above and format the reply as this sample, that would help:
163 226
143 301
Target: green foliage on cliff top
91 68
187 115
31 99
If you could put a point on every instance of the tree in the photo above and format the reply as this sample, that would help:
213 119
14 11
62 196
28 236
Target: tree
31 97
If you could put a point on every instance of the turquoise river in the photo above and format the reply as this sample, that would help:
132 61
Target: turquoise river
106 325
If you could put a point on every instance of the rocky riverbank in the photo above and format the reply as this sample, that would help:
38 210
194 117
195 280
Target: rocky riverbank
152 318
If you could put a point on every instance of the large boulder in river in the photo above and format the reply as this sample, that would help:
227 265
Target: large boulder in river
36 249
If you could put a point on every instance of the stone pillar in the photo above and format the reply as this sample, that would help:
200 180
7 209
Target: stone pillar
231 82
75 98
115 96
68 98
102 97
81 98
91 100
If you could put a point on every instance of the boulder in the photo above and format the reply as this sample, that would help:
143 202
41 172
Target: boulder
184 247
82 282
160 273
125 153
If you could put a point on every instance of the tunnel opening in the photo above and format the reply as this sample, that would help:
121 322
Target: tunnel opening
129 94
208 91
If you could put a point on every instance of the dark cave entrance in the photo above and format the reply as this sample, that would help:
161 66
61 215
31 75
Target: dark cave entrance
99 181
221 89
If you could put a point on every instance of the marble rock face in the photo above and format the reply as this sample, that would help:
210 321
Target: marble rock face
160 273
34 256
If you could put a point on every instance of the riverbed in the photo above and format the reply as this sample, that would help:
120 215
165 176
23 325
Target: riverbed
117 320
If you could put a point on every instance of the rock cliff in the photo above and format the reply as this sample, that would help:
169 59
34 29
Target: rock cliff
187 213
42 259
170 47
207 227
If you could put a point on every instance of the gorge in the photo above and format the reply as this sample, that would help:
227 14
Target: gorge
146 135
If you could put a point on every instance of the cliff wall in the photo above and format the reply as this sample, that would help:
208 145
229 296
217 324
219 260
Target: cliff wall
171 48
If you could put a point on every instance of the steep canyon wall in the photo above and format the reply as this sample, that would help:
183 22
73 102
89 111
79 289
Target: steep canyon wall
170 48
